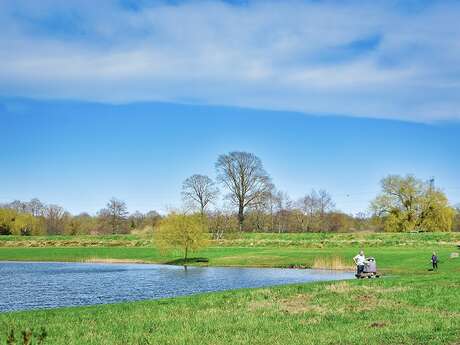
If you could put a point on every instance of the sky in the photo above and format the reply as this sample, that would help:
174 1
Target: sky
128 98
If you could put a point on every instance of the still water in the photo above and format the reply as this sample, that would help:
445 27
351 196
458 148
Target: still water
38 285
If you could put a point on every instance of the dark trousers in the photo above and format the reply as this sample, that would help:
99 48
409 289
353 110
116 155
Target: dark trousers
435 265
359 269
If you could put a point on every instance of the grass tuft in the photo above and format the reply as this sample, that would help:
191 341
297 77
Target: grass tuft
331 263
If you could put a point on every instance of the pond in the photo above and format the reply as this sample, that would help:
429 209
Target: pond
39 285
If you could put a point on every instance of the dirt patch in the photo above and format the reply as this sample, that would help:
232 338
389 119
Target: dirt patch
297 304
378 324
260 305
345 287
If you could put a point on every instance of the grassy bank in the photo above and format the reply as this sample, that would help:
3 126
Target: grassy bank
421 310
409 306
389 259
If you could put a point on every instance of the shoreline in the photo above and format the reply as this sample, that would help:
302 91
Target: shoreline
141 262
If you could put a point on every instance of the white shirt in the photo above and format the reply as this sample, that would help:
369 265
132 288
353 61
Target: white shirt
360 260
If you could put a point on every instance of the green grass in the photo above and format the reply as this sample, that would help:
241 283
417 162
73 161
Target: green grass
410 305
389 259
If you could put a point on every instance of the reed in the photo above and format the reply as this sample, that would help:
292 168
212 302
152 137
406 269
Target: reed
331 263
96 260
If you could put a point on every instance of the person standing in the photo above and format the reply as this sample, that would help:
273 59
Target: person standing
434 261
360 261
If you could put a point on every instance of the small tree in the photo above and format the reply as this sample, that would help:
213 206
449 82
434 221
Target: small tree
181 232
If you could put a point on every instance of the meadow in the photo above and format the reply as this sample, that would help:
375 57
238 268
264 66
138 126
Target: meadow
409 305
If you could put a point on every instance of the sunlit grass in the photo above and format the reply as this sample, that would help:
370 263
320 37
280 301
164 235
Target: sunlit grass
410 305
404 310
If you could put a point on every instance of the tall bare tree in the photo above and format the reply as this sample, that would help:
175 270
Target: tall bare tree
284 206
199 191
325 205
243 174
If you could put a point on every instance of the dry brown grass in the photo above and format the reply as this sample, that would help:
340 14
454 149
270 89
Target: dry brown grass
332 263
112 261
345 287
297 304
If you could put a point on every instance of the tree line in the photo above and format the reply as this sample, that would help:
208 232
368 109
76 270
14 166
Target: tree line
243 197
37 218
405 203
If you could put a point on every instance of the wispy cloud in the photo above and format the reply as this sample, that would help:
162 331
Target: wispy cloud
373 59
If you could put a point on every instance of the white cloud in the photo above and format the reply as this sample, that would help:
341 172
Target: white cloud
291 55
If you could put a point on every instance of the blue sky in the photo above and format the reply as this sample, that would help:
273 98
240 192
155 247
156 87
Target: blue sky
128 98
80 154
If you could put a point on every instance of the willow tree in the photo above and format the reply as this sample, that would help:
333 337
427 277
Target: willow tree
245 178
15 223
408 204
181 232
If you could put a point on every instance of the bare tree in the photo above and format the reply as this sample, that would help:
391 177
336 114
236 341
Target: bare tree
456 224
199 191
325 202
136 220
315 207
18 206
54 218
116 213
284 208
243 175
36 207
309 206
272 203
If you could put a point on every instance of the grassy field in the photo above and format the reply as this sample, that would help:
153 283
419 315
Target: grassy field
410 305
